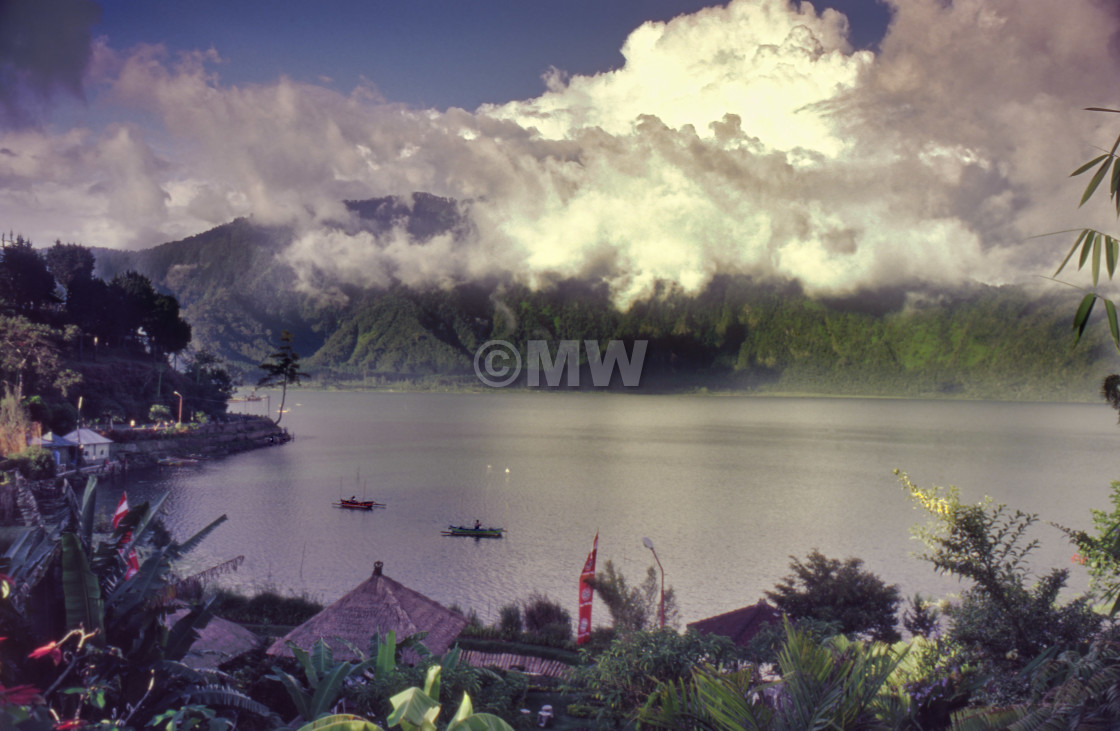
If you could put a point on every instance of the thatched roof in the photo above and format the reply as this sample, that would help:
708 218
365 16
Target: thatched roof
741 625
376 606
218 641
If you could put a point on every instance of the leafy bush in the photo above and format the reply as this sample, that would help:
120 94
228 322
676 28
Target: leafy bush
634 607
1001 623
265 608
548 619
618 681
159 412
509 620
829 590
34 463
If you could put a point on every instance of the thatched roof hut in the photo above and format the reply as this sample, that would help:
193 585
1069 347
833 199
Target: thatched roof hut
376 606
741 625
219 640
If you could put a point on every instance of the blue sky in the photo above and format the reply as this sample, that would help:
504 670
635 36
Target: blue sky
421 52
919 144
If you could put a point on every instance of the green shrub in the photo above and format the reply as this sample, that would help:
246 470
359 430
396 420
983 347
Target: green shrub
34 463
509 620
265 608
831 590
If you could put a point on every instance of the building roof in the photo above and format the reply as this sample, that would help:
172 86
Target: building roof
376 606
218 641
741 625
52 441
87 436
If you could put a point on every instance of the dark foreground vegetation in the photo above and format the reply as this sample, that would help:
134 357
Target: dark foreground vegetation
98 624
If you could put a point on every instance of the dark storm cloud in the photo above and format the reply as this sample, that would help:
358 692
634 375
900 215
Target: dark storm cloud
45 46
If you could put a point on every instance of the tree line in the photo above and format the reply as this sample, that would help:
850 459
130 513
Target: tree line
121 345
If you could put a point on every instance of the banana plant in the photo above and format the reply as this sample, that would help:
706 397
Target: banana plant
838 684
325 678
416 709
127 661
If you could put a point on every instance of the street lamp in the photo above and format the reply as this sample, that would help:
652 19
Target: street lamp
180 406
661 605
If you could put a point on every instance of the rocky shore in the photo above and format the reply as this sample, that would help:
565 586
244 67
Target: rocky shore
137 449
239 433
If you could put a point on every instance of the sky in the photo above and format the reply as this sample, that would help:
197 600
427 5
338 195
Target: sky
850 145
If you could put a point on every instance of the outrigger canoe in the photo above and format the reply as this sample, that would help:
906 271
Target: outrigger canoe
358 504
463 530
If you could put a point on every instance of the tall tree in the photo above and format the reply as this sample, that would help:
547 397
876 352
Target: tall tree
831 590
70 264
26 285
282 367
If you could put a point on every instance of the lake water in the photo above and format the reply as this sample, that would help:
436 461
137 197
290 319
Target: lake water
727 488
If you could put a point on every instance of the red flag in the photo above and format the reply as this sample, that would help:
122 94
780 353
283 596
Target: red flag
121 511
131 559
583 633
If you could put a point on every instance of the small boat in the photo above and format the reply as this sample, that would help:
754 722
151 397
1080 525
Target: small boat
480 532
175 461
358 504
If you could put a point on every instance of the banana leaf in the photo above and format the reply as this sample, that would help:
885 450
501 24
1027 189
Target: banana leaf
341 722
82 594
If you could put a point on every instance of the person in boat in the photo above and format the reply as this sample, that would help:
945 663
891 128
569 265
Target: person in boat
353 499
477 524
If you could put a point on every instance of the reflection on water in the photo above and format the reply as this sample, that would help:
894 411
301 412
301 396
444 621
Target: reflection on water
727 488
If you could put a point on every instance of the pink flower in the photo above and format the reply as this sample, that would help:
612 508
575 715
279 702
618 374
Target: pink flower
48 650
19 695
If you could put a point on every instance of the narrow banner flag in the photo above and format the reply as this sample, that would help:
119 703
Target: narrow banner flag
131 559
121 511
583 633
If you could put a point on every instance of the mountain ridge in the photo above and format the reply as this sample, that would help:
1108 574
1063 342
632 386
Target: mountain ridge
238 291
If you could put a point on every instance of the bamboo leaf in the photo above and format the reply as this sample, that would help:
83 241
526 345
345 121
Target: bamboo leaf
81 593
1113 325
1096 259
1081 319
1080 238
1092 163
1087 248
1110 253
1096 181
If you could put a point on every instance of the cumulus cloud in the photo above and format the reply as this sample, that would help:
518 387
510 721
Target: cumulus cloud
748 138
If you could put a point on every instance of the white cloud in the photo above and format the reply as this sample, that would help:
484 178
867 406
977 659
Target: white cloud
745 138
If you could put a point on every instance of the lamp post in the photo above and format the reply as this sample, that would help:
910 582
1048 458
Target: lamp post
661 605
180 406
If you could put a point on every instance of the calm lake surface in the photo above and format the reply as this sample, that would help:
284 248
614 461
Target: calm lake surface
727 488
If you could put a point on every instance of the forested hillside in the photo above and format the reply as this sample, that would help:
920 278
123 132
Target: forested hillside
239 292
